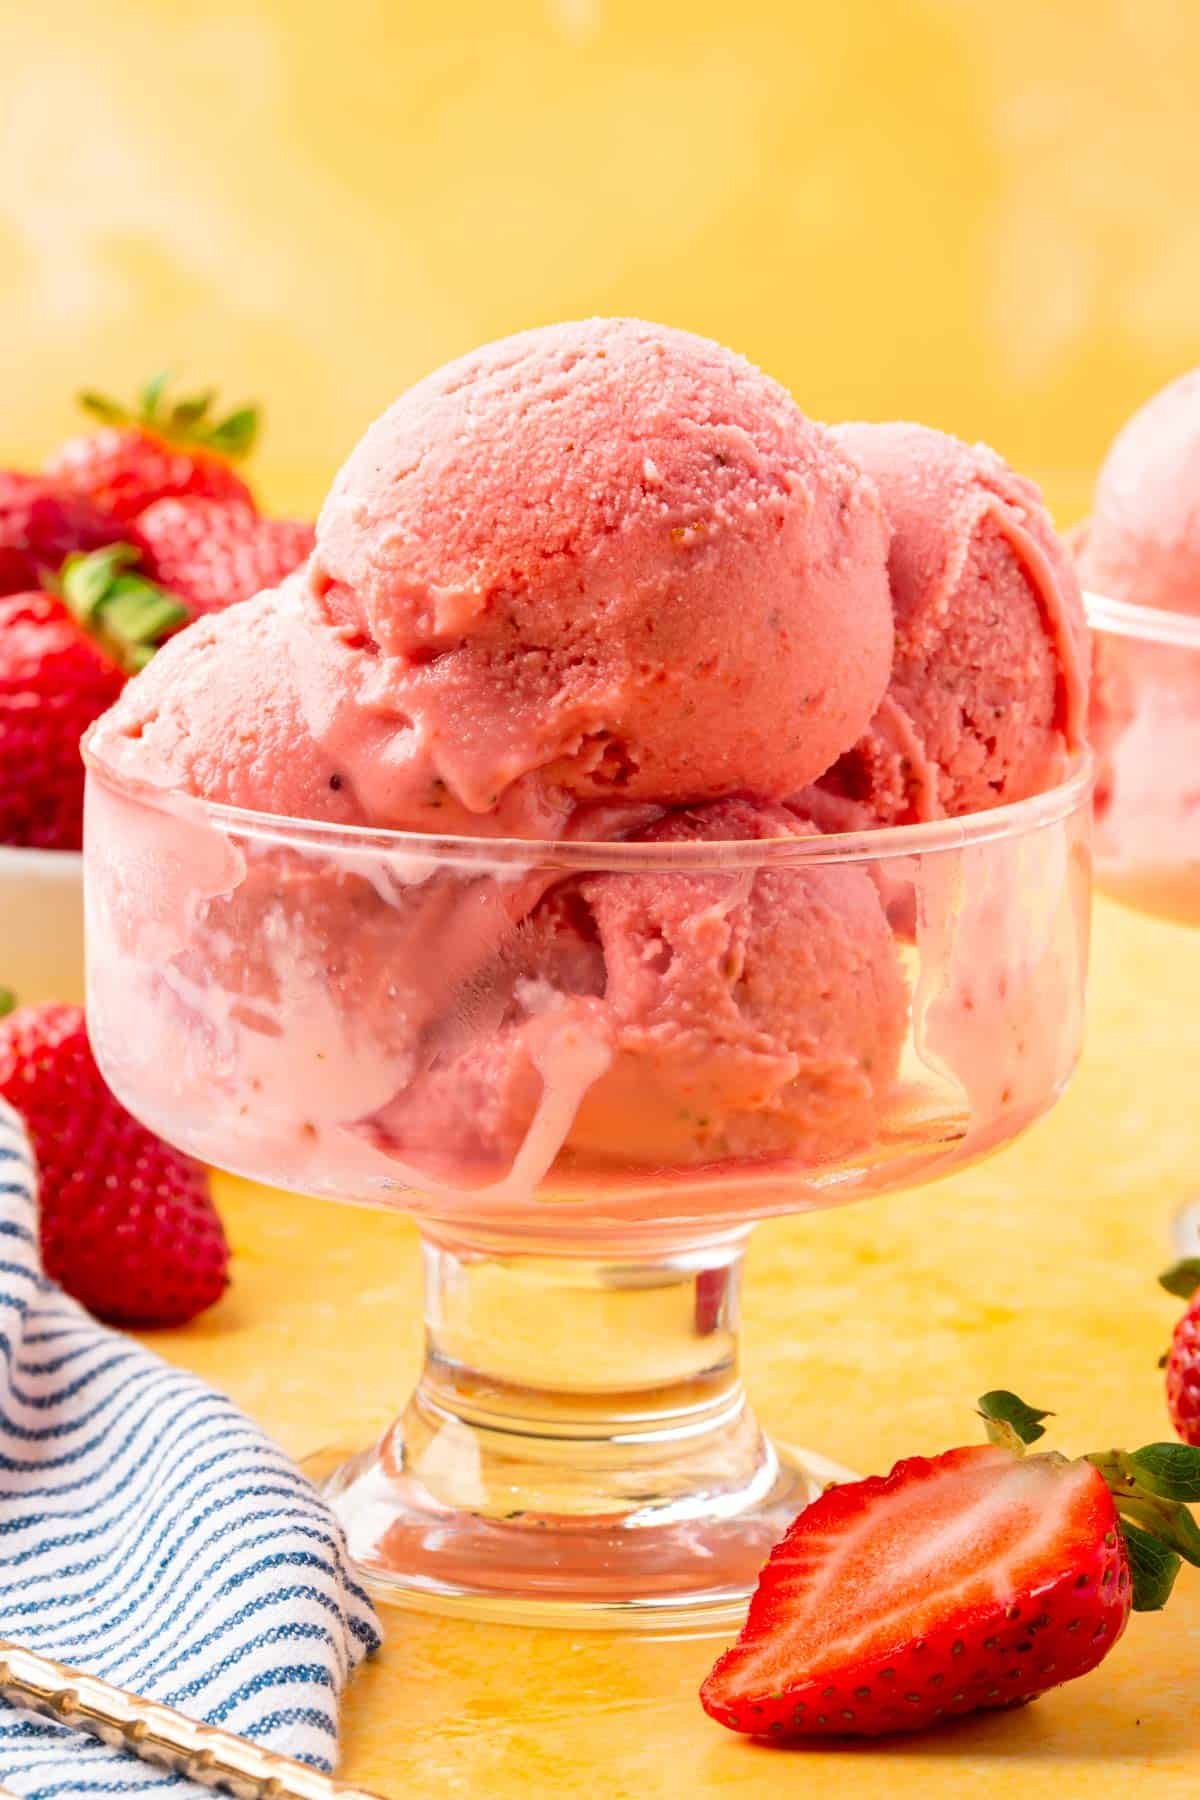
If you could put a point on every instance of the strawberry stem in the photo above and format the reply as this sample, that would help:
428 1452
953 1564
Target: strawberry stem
1151 1489
1183 1278
126 612
152 393
189 422
1010 1422
1152 1567
1158 1529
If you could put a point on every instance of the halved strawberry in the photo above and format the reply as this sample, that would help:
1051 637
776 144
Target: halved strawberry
979 1578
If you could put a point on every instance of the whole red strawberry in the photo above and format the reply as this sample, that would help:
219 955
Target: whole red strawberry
143 453
979 1578
127 1223
63 661
1183 1358
40 526
213 553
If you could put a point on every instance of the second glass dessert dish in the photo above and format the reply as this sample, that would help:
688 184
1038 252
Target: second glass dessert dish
586 1069
1138 554
1146 721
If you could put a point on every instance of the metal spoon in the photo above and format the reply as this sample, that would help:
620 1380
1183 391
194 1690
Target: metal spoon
158 1734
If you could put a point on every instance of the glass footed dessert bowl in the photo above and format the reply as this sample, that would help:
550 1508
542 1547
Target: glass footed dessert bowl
1146 724
586 1069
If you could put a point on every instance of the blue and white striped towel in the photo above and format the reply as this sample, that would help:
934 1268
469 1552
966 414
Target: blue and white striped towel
151 1535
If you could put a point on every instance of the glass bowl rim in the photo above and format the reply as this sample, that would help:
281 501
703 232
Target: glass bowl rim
1016 819
1148 624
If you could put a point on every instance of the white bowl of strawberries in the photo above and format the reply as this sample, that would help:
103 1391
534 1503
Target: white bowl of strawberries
136 527
41 922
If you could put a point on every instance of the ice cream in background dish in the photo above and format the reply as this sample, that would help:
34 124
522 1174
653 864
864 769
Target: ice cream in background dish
1142 542
988 692
1140 549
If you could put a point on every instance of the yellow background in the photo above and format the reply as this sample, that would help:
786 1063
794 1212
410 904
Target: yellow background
980 214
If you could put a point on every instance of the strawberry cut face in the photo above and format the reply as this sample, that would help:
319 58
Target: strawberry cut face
974 1579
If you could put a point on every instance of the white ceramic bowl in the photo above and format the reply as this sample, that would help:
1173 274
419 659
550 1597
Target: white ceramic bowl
41 924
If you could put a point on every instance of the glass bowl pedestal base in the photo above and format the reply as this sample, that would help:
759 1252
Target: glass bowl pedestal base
579 1449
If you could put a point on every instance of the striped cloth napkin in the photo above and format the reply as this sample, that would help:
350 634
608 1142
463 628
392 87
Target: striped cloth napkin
151 1535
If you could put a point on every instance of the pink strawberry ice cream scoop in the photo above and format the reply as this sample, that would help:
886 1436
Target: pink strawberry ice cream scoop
988 693
497 1081
1142 543
217 714
1141 548
608 559
742 1012
236 709
755 1012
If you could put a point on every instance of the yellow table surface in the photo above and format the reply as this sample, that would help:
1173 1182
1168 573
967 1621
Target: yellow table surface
870 1330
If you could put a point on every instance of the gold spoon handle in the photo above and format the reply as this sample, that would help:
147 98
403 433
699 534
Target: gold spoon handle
158 1734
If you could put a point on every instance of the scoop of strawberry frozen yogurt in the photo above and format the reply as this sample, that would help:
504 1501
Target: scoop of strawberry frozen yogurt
229 711
988 693
1141 546
217 714
605 558
720 1012
756 1011
1142 542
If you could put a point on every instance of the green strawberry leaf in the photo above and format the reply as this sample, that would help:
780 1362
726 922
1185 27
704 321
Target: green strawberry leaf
123 609
86 578
139 615
151 394
8 1001
1183 1278
184 422
1003 1435
187 414
1153 1568
1169 1470
109 412
1167 1520
1007 1415
235 435
142 613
